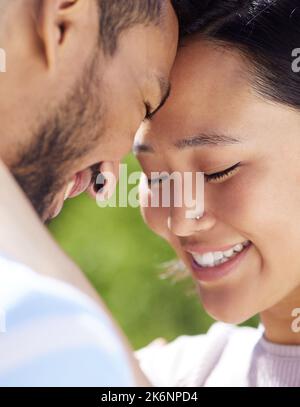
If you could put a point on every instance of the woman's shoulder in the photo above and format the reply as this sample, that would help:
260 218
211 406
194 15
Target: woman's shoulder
189 360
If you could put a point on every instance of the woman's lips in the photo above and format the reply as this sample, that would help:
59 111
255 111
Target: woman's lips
210 274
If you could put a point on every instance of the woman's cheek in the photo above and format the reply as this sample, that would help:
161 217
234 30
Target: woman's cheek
153 214
233 203
157 220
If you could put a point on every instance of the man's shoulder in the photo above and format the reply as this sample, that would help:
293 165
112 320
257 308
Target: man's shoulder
52 334
19 281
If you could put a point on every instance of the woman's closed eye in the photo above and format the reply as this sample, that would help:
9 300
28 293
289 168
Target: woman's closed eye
216 177
222 176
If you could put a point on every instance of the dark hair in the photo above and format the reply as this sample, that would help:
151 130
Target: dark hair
119 15
266 32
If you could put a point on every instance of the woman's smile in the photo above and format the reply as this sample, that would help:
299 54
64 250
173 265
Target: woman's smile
213 265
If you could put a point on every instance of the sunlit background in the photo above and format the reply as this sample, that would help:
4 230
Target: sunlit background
123 259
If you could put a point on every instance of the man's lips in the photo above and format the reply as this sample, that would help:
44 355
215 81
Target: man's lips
80 183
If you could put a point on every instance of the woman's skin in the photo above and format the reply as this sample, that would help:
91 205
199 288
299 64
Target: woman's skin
212 98
26 240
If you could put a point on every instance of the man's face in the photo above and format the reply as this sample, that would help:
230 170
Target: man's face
97 114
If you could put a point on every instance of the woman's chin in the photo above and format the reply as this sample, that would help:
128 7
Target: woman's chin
226 311
228 318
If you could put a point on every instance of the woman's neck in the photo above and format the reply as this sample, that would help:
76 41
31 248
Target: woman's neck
282 322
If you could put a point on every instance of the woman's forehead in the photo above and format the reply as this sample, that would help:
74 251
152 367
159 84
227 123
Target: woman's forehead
202 63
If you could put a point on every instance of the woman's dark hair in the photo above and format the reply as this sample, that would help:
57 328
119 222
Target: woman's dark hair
266 32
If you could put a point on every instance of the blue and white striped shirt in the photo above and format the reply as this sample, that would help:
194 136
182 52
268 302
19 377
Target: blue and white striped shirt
53 335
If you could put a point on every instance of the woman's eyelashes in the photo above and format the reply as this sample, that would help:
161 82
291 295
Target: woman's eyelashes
222 176
216 177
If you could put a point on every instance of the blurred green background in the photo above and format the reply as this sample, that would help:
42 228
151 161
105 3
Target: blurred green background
122 258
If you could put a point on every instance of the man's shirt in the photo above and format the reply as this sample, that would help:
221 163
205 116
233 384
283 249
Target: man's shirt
53 335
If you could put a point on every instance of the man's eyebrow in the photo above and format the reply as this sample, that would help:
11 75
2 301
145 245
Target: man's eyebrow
165 91
203 139
192 142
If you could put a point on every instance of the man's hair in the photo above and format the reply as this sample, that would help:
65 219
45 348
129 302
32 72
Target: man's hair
265 32
117 16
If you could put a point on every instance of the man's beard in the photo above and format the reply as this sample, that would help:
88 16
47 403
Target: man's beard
69 134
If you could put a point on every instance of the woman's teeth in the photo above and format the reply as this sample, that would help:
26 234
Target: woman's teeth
213 259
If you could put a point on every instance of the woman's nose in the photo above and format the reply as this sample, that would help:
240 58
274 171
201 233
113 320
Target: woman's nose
182 226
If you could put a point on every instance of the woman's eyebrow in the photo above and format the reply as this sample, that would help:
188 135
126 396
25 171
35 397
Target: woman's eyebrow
203 139
192 142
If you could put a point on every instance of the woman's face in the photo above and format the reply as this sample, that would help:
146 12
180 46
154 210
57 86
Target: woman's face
214 121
